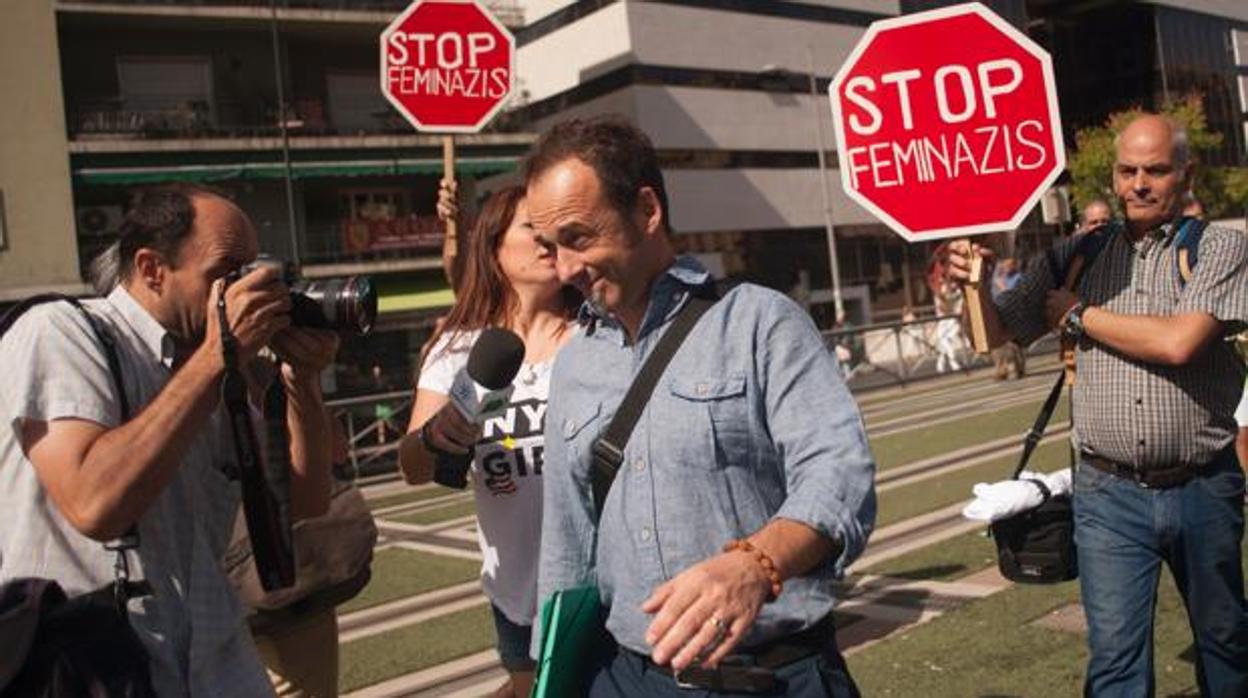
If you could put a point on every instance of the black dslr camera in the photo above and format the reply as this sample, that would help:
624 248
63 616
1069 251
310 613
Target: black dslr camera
344 304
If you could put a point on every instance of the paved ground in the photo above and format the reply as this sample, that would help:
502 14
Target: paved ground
877 606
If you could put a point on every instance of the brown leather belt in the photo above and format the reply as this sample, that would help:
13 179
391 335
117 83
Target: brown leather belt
1155 479
752 671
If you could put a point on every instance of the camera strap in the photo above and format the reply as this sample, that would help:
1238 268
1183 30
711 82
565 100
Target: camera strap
264 475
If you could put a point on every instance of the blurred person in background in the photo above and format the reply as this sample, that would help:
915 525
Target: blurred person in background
1096 214
507 279
1005 278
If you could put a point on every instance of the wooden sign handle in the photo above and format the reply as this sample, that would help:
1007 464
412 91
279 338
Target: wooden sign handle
972 296
448 172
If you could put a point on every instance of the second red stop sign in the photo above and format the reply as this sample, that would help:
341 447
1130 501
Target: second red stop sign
446 65
947 123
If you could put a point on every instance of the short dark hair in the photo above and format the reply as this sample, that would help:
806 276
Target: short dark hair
620 154
160 218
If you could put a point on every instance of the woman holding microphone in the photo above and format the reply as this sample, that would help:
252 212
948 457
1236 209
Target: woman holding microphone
506 279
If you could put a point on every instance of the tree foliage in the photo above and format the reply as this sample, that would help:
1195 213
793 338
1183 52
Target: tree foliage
1222 190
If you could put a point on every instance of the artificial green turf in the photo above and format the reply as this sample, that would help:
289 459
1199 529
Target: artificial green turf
893 394
399 573
376 658
409 497
438 514
945 489
990 648
920 406
942 562
908 446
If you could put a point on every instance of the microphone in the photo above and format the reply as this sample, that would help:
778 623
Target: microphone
480 392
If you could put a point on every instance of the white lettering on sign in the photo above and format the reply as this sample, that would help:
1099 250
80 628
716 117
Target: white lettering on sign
953 85
961 93
449 48
446 64
948 156
407 80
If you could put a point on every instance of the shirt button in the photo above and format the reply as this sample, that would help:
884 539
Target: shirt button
646 534
569 426
1139 401
701 388
639 465
1141 442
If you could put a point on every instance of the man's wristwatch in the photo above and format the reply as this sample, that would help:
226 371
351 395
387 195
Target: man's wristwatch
1072 322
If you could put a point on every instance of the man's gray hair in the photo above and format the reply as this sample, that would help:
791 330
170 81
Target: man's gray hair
104 272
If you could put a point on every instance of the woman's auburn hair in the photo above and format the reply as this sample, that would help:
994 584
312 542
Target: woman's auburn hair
484 297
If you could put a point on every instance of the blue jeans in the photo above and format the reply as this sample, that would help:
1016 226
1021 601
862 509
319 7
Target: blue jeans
513 642
1123 533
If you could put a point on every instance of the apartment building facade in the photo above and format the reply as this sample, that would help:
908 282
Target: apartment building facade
277 102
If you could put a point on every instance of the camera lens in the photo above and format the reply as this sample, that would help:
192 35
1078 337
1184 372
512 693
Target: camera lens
345 303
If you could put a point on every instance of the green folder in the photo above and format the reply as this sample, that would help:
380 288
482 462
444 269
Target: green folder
572 630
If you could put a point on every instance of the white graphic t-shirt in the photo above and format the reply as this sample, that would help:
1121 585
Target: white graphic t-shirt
506 478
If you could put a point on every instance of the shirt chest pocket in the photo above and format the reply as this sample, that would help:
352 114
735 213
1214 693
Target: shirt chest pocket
708 418
576 429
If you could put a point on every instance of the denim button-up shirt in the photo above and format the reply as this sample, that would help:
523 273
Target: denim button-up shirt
750 422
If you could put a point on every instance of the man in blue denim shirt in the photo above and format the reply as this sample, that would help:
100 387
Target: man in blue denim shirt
750 435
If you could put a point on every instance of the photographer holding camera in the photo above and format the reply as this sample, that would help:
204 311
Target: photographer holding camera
75 472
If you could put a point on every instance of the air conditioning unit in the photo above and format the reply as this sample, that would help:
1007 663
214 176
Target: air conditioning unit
98 221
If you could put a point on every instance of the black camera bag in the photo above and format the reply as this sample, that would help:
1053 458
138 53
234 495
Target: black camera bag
1037 546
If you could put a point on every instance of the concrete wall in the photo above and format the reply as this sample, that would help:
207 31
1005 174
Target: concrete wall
40 247
883 7
691 37
694 117
755 199
1234 9
565 58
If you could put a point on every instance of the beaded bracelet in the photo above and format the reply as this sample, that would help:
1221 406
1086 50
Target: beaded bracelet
769 567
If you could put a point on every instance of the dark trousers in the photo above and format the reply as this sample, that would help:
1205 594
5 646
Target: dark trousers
624 674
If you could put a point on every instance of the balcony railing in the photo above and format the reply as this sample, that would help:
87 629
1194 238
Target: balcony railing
508 12
195 119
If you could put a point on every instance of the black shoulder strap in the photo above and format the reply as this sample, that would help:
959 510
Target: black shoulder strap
110 346
608 448
1042 422
1086 249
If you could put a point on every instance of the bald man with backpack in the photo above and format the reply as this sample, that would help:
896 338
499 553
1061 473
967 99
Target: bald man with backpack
1146 303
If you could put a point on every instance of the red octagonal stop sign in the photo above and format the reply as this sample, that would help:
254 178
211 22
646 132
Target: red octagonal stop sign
446 65
947 123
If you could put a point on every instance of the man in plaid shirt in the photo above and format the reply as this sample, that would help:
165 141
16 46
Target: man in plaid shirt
1157 478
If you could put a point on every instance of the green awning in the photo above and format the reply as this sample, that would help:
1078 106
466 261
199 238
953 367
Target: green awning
397 295
271 170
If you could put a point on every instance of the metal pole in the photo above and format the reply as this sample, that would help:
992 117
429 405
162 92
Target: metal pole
292 220
823 190
1161 59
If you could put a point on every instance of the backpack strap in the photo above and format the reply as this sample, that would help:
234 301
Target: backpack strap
124 588
1086 249
1187 246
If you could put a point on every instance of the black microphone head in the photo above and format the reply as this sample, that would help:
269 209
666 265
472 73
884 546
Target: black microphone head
495 358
